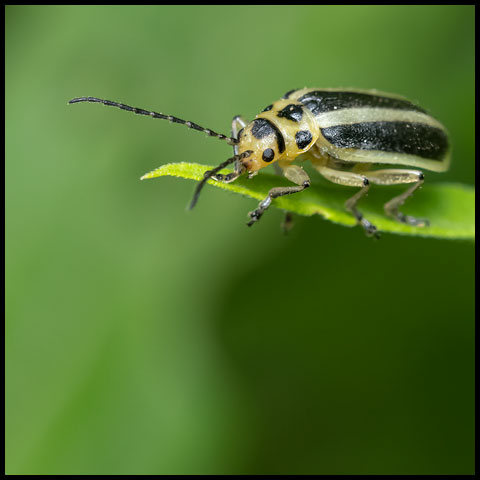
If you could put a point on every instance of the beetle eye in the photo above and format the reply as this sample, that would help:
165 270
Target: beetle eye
268 155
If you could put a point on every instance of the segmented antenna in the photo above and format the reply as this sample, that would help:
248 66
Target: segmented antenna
170 118
210 173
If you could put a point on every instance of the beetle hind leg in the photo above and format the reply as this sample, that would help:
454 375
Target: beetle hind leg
350 179
351 206
394 177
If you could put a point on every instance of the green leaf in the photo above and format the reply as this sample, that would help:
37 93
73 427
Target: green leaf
449 207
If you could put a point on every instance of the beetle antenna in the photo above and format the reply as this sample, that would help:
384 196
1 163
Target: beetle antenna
210 173
170 118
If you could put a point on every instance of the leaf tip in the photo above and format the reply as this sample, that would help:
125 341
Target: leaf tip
149 175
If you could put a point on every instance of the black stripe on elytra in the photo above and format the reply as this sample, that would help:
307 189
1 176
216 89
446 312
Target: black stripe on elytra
323 101
398 137
291 112
263 127
266 109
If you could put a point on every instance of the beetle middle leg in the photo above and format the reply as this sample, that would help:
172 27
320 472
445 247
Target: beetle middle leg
395 177
351 179
296 175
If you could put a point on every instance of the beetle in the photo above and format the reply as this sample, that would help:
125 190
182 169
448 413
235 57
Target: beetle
344 132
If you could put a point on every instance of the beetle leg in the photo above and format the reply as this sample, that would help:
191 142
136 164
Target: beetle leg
238 123
351 179
395 177
296 175
229 177
287 223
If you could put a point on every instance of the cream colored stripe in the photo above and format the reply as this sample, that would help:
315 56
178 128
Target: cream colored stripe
392 158
349 116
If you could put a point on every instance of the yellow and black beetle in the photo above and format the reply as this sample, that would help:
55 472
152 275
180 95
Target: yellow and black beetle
343 132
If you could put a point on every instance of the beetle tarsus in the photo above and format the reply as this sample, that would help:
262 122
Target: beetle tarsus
370 229
391 207
412 221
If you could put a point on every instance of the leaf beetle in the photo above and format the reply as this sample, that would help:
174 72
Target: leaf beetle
344 132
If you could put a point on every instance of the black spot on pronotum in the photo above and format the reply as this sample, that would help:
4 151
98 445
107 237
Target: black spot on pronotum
291 112
303 138
266 109
268 155
262 128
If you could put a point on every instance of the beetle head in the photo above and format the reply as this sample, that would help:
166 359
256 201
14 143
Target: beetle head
265 141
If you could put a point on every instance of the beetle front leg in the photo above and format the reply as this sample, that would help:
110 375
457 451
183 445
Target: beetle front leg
296 175
238 123
395 177
229 177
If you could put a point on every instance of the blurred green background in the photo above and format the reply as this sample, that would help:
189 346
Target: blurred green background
142 338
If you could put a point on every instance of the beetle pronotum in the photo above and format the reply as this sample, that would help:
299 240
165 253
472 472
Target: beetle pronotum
343 132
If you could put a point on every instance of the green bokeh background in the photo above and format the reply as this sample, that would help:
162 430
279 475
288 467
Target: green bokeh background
145 339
